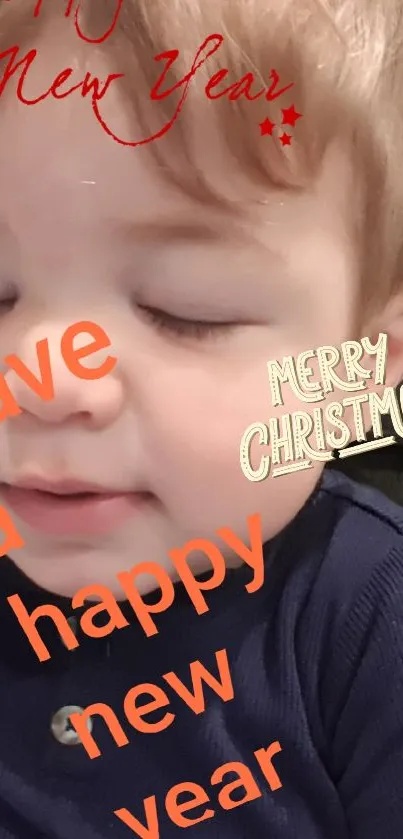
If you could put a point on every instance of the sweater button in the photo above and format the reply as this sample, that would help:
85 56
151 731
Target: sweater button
62 728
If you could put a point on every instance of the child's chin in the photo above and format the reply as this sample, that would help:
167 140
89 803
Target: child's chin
66 575
90 574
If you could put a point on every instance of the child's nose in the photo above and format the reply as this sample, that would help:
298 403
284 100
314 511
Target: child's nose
97 402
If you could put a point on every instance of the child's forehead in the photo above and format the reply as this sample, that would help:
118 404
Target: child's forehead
61 142
68 189
55 158
59 167
63 181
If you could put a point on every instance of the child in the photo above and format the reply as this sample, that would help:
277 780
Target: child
203 254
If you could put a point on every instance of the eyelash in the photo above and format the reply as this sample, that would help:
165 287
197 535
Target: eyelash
163 321
198 329
8 302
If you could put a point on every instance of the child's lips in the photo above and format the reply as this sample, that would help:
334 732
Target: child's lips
70 507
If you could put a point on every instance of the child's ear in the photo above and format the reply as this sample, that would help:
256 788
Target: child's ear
390 320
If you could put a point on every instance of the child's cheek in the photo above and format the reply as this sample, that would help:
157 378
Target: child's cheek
195 440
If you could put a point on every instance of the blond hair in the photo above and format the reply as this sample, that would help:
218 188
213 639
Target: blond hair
346 59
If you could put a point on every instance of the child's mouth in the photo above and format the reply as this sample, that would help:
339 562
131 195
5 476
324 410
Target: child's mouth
60 510
67 495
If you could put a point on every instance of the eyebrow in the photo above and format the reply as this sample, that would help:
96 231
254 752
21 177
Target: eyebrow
179 230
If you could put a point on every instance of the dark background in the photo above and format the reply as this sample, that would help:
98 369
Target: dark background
382 469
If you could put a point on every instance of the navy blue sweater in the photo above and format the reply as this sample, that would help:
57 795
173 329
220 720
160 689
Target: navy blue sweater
316 660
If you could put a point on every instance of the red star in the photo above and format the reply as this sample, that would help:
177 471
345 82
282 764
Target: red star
290 116
267 127
285 139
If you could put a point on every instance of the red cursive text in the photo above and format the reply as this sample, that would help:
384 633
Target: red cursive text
91 84
80 34
88 84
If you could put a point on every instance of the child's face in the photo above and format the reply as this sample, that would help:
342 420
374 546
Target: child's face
90 230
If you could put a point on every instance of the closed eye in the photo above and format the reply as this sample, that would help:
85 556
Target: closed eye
8 299
199 329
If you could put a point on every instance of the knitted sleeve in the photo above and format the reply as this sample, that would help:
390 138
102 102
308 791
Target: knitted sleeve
366 732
